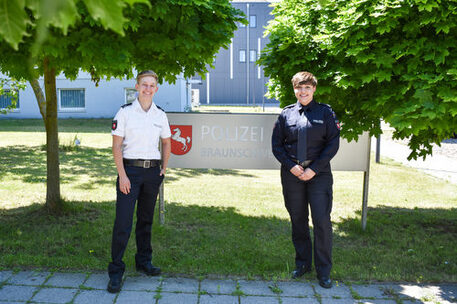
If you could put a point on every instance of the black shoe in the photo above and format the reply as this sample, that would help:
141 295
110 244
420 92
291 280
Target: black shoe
114 285
300 271
148 269
325 282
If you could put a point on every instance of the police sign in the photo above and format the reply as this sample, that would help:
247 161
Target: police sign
242 141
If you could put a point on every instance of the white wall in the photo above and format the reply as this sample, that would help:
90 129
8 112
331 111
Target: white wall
102 101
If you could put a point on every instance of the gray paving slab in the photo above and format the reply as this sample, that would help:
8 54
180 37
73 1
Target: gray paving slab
340 290
295 289
94 296
294 300
5 275
28 278
337 301
180 285
141 283
218 299
97 281
370 291
448 292
66 280
178 298
135 297
55 295
256 287
417 292
258 300
378 301
16 293
218 286
399 290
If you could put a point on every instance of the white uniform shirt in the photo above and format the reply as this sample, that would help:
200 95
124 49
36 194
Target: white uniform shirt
141 130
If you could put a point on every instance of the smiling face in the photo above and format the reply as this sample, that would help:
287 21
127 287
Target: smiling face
304 93
146 88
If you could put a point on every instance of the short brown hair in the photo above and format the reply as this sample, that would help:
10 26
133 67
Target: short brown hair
146 74
304 78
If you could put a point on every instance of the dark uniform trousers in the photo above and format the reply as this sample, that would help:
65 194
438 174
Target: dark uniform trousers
145 184
317 193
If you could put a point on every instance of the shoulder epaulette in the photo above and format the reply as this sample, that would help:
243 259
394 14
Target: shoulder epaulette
326 105
160 108
126 105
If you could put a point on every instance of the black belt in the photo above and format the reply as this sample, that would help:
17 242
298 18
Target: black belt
303 163
143 163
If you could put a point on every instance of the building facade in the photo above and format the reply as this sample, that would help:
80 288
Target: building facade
236 79
80 98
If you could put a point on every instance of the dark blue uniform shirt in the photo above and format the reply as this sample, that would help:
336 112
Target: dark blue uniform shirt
323 135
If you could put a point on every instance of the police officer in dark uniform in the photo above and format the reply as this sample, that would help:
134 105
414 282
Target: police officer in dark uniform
305 138
137 129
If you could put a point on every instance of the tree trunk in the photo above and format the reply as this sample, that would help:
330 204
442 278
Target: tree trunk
53 201
39 96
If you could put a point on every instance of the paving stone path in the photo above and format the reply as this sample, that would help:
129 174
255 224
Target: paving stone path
79 288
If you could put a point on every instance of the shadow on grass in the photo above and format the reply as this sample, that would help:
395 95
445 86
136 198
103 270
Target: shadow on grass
175 174
401 244
29 164
97 125
398 245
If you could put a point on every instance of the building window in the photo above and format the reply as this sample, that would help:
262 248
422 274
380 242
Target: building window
252 55
252 21
130 95
6 100
242 55
72 99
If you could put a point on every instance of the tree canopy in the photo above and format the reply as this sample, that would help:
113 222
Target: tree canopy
108 38
394 60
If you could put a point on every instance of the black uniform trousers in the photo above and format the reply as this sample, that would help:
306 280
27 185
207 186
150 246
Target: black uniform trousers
317 193
145 184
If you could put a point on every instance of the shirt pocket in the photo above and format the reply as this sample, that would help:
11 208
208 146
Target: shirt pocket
318 127
134 129
291 129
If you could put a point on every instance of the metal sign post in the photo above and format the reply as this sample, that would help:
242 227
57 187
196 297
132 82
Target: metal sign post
366 177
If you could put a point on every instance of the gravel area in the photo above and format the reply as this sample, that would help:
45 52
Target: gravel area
448 147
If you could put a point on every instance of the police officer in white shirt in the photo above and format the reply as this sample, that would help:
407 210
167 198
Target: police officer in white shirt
137 129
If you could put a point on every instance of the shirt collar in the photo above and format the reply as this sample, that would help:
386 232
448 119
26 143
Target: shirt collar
137 106
308 107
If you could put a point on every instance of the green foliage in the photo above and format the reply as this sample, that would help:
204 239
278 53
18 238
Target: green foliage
392 59
10 87
109 38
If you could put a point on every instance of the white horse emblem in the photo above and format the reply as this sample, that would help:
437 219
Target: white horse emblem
177 137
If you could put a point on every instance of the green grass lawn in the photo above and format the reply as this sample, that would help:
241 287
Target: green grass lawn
218 222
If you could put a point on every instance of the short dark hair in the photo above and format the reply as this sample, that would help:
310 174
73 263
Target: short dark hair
146 74
304 78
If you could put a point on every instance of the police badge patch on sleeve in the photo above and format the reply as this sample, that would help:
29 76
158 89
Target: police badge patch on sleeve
114 125
337 122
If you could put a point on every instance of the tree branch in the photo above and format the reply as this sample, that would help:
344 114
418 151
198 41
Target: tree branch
39 96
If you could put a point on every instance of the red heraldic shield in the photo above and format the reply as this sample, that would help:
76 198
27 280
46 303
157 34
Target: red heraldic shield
181 139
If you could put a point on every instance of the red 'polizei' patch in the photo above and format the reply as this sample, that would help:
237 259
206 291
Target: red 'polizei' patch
114 125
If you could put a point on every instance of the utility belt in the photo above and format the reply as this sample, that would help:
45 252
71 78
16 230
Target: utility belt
304 164
142 163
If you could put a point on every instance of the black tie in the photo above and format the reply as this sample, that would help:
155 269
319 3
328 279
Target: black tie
301 147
